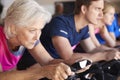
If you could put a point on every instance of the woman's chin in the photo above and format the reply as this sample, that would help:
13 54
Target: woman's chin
30 47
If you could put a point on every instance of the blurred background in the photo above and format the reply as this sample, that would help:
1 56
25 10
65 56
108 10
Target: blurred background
50 5
68 5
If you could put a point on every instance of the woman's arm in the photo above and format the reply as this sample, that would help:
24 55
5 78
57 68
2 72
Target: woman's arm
55 72
19 75
112 35
107 37
40 54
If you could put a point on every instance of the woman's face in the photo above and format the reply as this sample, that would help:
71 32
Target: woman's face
27 36
109 16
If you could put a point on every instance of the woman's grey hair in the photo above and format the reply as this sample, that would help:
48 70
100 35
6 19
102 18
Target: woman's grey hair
23 13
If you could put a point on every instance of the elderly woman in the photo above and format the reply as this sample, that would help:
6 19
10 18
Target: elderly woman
23 23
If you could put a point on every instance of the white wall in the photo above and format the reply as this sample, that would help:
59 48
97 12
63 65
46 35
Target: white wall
48 4
6 4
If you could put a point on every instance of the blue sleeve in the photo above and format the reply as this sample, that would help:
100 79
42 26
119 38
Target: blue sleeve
58 27
86 35
36 43
110 28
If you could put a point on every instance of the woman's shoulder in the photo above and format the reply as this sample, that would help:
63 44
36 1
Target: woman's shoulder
1 30
2 35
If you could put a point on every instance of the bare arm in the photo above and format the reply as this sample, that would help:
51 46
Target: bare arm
65 51
40 54
92 35
36 72
19 75
87 45
110 40
112 35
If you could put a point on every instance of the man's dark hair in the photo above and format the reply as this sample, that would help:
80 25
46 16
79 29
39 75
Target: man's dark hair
79 3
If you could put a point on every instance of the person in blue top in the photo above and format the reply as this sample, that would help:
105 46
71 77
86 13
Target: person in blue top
104 36
64 32
115 27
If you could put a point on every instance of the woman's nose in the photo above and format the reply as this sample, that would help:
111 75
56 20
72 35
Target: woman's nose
37 35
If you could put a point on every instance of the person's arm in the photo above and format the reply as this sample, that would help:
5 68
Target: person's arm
65 51
107 37
111 29
112 35
87 44
64 48
20 75
40 54
92 35
96 42
55 72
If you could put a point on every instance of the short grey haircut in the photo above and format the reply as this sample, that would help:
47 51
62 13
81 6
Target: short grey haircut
24 13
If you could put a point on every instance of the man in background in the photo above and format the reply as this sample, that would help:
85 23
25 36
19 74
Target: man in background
59 8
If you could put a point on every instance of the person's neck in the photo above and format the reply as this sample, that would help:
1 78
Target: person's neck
80 22
12 44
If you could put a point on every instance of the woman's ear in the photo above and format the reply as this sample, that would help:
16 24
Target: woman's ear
83 9
13 30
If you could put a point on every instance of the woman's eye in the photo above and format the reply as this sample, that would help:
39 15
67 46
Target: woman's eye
32 31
